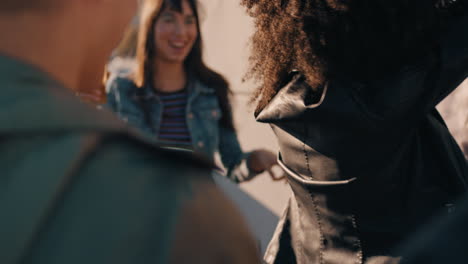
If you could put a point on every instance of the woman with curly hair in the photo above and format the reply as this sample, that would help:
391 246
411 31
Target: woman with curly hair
350 88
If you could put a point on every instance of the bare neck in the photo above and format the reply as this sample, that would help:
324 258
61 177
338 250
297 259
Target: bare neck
169 77
42 42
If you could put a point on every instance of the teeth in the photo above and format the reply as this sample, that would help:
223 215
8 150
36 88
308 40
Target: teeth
178 45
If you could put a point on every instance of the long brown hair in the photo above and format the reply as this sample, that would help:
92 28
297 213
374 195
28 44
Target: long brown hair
194 64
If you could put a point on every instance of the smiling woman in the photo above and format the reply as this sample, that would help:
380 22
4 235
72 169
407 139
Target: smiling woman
175 98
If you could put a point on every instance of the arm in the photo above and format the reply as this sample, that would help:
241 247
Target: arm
416 89
232 156
111 88
243 166
453 59
116 87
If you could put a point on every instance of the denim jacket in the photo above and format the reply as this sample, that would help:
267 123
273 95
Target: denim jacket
142 108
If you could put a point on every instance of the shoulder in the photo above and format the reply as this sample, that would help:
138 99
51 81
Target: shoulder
208 97
125 190
120 85
123 68
203 87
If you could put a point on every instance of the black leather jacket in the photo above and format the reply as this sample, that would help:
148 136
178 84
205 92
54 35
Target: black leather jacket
368 162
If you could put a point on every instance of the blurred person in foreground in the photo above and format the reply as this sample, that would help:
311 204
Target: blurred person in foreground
350 88
442 240
77 186
174 97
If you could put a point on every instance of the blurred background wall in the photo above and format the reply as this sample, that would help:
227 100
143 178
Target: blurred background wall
226 30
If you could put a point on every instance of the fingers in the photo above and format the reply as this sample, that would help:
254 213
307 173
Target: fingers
95 97
90 98
269 164
268 158
266 161
276 176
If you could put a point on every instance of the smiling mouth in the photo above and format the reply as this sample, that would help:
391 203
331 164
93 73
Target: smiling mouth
177 46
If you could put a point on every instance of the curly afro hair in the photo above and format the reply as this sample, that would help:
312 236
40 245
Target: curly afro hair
348 39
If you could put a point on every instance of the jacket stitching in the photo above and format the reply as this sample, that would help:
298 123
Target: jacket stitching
357 244
316 211
306 156
319 223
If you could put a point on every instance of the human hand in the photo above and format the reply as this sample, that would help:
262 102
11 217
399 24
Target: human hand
96 96
264 160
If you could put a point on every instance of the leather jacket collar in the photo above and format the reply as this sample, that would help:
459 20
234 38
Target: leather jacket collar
292 100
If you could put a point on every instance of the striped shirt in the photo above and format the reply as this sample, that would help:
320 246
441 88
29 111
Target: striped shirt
173 131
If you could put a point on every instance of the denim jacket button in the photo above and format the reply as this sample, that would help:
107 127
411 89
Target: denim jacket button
190 116
201 144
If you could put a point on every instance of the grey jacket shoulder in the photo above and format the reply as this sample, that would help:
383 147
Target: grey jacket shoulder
119 204
123 204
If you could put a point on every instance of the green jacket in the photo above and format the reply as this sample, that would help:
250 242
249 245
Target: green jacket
122 200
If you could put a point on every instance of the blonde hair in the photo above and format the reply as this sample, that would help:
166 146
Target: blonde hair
128 44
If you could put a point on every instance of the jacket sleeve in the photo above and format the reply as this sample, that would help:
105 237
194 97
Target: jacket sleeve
453 59
117 89
232 156
111 88
416 89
